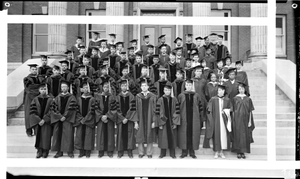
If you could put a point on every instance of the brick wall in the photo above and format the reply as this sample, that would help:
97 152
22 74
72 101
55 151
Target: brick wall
187 11
34 7
14 43
286 9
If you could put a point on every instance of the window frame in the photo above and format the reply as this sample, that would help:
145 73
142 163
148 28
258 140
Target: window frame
87 31
34 35
283 35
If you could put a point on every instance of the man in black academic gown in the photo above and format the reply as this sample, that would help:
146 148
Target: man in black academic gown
162 40
45 70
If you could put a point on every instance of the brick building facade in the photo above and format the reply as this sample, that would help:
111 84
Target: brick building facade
24 40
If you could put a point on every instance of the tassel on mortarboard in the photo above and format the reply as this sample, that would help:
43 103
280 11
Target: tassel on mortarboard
71 90
127 84
184 74
148 71
46 88
109 88
193 88
89 90
85 70
172 92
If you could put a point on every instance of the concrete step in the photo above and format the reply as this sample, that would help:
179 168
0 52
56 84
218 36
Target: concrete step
278 109
285 115
285 132
285 150
285 123
285 140
285 158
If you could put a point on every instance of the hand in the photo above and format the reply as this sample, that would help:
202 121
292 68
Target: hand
136 126
153 125
42 122
174 127
81 122
249 124
63 119
125 121
104 117
161 127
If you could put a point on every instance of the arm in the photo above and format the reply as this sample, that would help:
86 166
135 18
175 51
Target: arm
34 116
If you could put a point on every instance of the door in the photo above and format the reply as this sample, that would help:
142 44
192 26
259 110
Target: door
156 30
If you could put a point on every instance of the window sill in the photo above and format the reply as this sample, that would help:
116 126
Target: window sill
281 56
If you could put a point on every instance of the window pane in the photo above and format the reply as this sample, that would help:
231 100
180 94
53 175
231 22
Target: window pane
98 13
168 32
279 48
278 22
97 27
150 31
217 28
279 31
41 43
41 28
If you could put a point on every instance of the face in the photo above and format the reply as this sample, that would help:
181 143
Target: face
133 44
123 56
124 87
112 50
146 40
206 41
163 40
69 56
103 44
198 42
220 40
144 71
64 88
221 92
178 42
162 75
188 63
213 77
155 60
78 41
82 50
131 52
172 57
232 75
241 89
228 61
95 36
179 75
150 50
188 86
203 63
64 66
42 90
179 52
85 89
238 66
44 61
85 61
220 64
125 72
103 71
33 70
119 47
196 58
144 87
138 59
82 71
94 52
105 88
188 38
198 72
208 51
163 50
167 91
55 71
112 38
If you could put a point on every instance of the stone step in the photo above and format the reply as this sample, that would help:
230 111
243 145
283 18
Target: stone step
285 132
285 140
285 158
285 116
286 123
278 109
285 150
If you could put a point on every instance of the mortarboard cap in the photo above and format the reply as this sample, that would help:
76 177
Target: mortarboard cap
44 56
155 55
188 81
113 46
243 84
150 46
220 60
221 86
189 35
103 40
112 34
161 36
162 45
231 70
239 62
145 80
119 43
123 52
139 53
212 34
81 66
95 48
81 46
68 51
202 60
161 68
79 37
130 48
85 83
178 38
64 61
180 71
199 38
178 48
56 67
198 67
97 33
146 36
188 59
133 40
32 65
205 37
145 66
65 82
42 85
220 36
124 81
125 67
173 53
194 51
168 86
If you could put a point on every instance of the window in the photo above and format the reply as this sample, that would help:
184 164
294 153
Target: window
40 38
101 28
222 29
280 36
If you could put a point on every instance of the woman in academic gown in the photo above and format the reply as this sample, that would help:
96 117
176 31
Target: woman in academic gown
243 124
211 89
103 50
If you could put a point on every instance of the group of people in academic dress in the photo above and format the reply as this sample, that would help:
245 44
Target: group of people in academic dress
106 98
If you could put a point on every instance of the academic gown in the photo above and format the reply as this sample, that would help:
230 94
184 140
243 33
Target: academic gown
45 71
95 62
221 52
206 72
104 53
144 49
145 116
182 61
214 127
53 84
154 72
85 133
89 69
77 82
105 78
188 72
137 70
31 90
210 62
73 66
113 60
225 69
40 109
105 140
219 73
202 52
157 49
131 59
126 108
213 48
163 59
159 85
93 43
211 90
172 68
67 75
111 73
121 64
131 85
231 89
190 125
75 49
63 132
200 85
241 76
242 134
178 87
187 49
168 115
148 60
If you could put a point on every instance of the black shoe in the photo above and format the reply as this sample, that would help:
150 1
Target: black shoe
110 154
141 156
71 155
39 155
82 153
239 156
45 154
173 156
243 156
100 154
58 154
161 156
29 132
130 155
120 155
193 156
149 156
183 155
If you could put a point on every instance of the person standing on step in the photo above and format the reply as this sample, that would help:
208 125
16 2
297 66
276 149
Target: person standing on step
163 56
63 117
190 114
53 81
188 45
75 49
103 50
144 47
40 120
168 118
85 122
112 37
218 125
94 43
145 119
221 50
31 90
177 85
44 70
162 41
241 75
231 84
242 122
126 110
